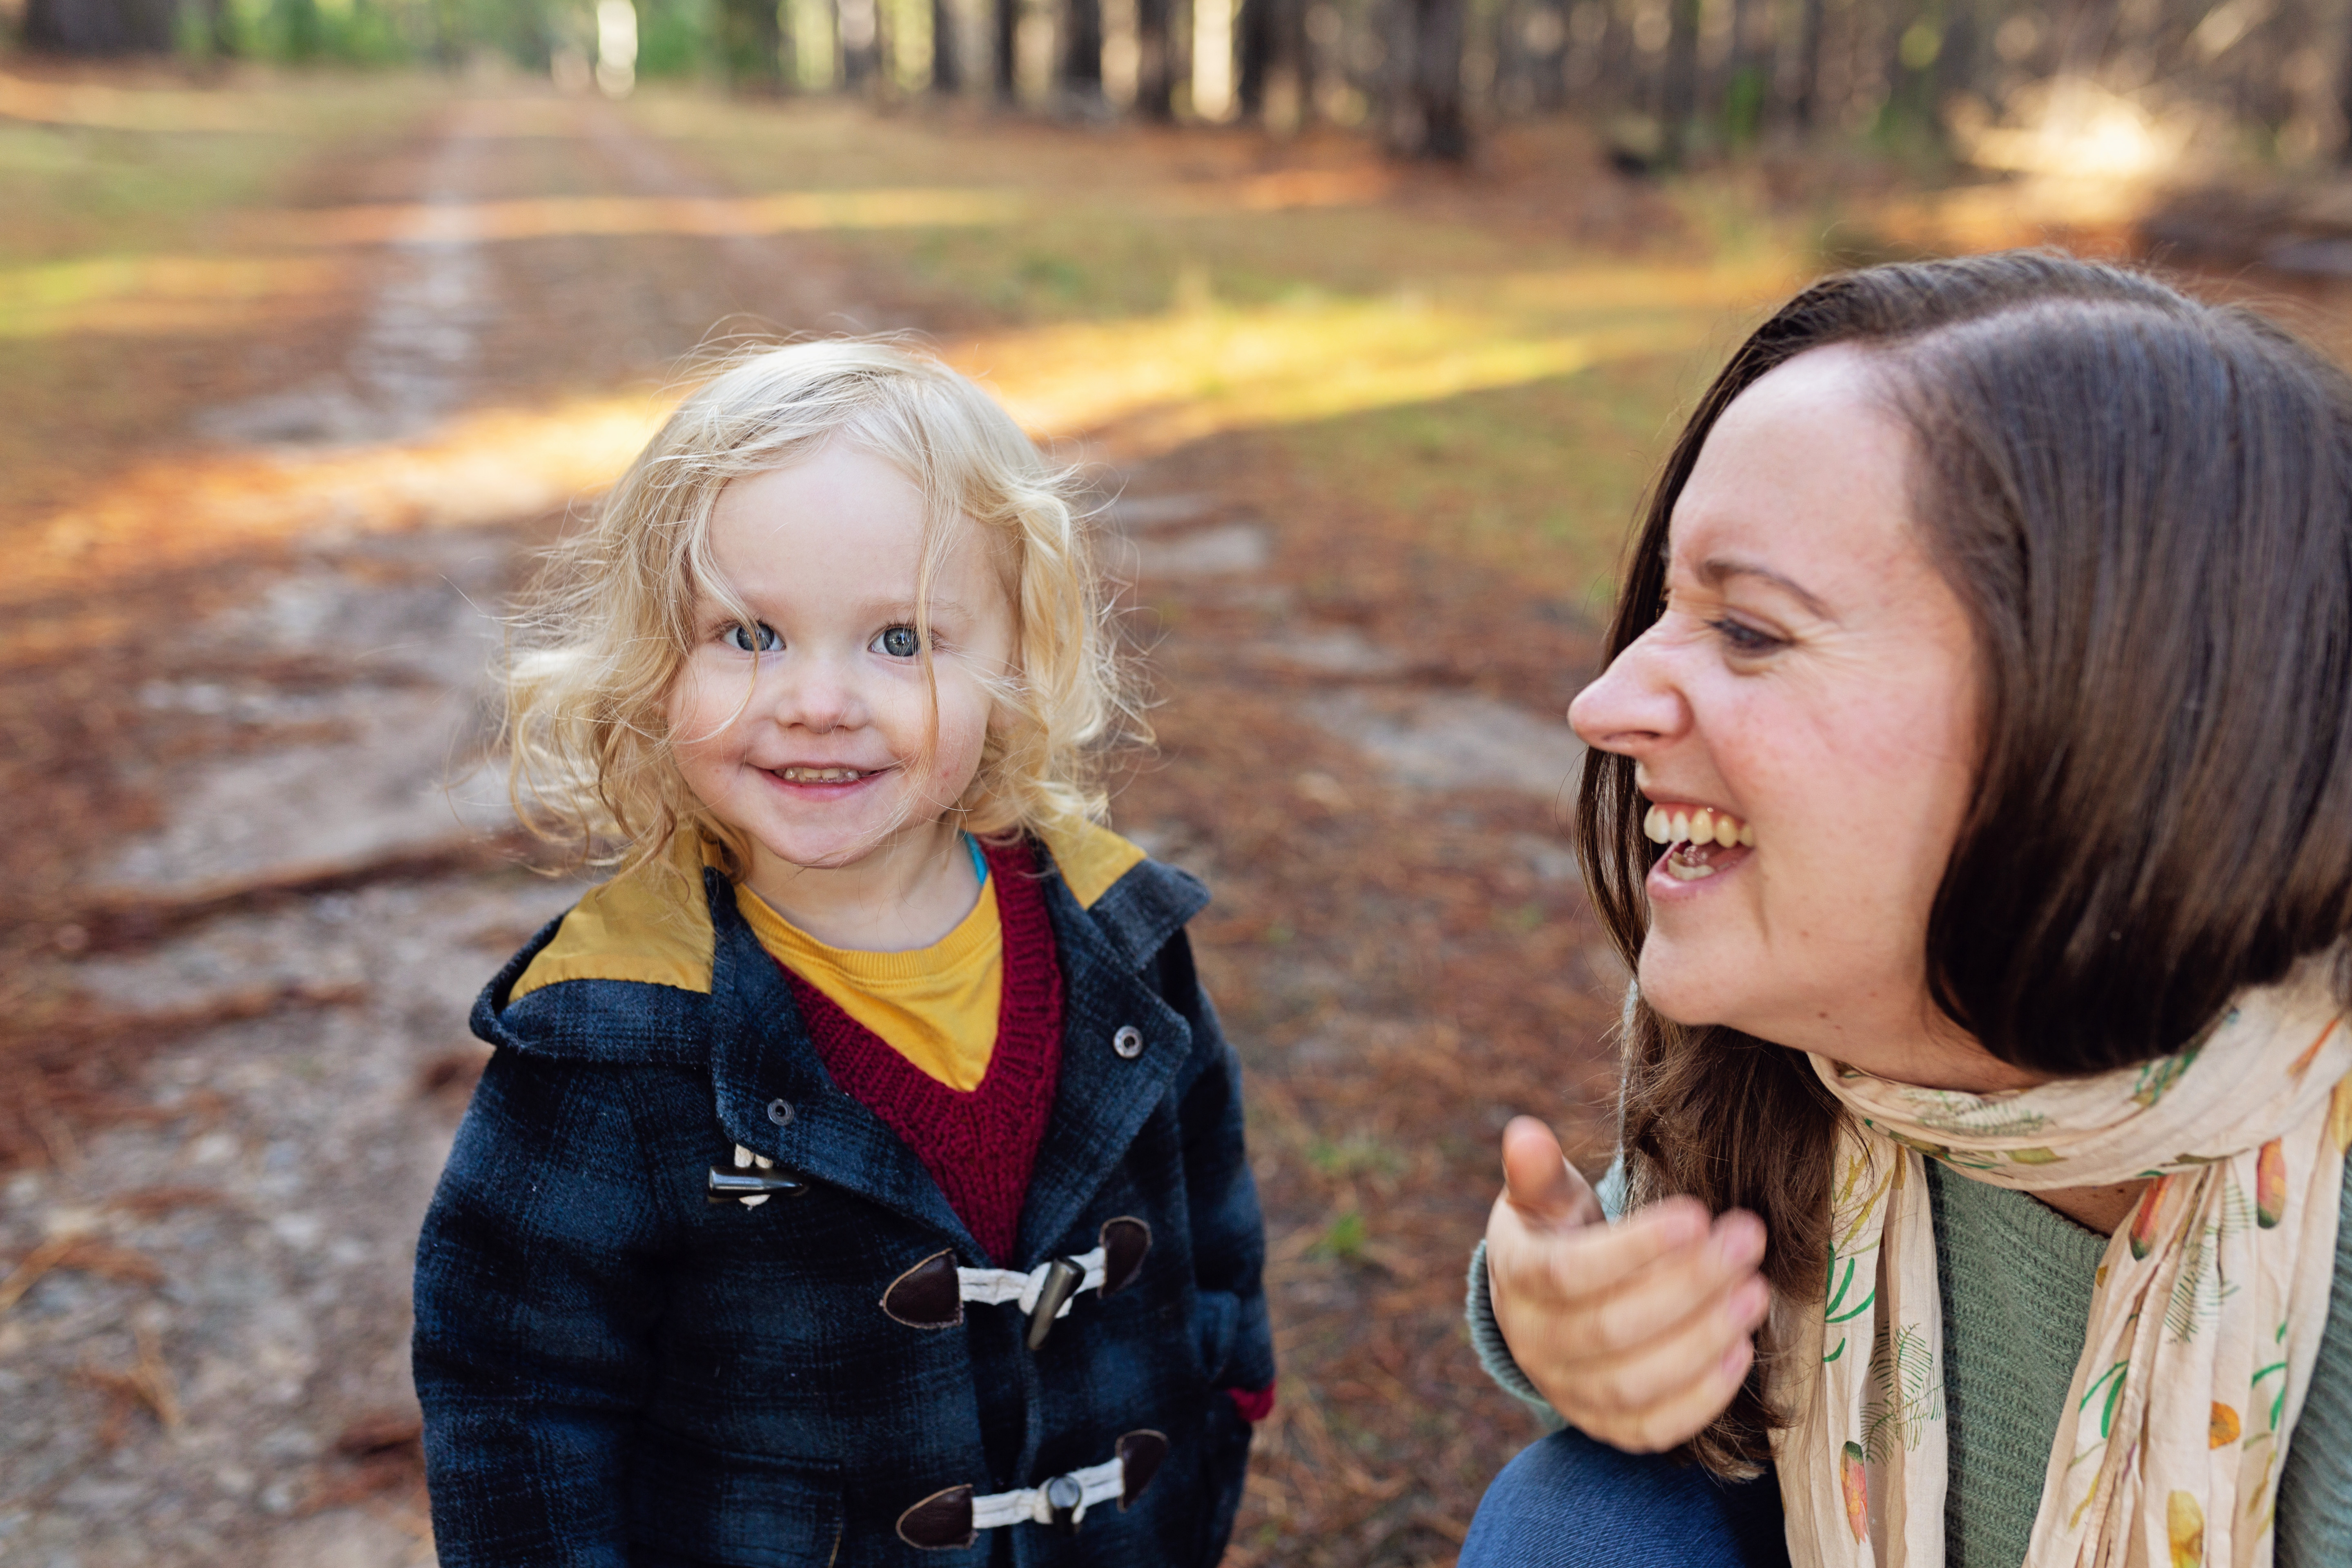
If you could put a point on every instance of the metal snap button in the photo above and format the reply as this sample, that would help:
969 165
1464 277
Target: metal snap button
1128 1042
780 1113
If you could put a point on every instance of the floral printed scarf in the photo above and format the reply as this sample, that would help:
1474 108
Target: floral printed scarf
2205 1319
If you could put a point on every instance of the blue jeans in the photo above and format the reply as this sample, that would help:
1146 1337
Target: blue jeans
1571 1502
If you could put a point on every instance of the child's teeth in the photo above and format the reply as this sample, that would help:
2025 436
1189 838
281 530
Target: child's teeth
822 775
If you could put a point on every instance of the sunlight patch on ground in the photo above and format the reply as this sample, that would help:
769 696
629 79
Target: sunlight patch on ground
1145 386
1139 387
480 468
461 223
160 295
782 212
106 108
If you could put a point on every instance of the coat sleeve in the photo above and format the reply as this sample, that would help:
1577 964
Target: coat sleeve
1228 1232
536 1290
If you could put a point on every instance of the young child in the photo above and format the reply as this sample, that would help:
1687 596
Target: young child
858 1177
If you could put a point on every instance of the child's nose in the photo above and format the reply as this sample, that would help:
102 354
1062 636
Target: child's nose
818 696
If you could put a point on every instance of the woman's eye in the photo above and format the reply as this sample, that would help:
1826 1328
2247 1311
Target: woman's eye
898 641
761 638
1743 639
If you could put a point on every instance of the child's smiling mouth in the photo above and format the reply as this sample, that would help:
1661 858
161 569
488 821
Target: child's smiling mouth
825 781
803 775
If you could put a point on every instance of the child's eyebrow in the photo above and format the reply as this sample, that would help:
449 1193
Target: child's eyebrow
717 612
905 608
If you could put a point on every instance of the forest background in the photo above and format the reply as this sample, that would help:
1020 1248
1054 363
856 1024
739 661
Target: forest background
1368 320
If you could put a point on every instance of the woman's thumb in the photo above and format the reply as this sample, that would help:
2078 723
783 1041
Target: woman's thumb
1538 1181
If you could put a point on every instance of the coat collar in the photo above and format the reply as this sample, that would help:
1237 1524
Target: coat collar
748 1030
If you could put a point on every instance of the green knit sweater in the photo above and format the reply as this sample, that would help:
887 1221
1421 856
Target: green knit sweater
2016 1279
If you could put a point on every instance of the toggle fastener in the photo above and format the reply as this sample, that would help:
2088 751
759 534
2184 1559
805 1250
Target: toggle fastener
752 1181
951 1518
931 1294
1064 1279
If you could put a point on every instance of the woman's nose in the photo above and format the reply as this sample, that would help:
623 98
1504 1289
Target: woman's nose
1635 707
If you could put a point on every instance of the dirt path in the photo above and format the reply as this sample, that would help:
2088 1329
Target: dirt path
253 917
204 1347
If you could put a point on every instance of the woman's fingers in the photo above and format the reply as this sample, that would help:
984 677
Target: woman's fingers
1650 1369
1539 1182
1676 1416
1547 1267
1638 1332
1686 1282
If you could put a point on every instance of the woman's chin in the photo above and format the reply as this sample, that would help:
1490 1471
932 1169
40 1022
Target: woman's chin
1685 984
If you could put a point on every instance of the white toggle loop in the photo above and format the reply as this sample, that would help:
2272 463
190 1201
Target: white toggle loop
994 1285
1097 1483
744 1161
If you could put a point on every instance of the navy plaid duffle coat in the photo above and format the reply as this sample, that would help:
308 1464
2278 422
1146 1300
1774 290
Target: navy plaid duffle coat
615 1370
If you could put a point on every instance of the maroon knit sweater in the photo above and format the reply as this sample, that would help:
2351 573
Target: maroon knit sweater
979 1144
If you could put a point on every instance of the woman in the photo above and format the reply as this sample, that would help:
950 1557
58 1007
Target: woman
1971 791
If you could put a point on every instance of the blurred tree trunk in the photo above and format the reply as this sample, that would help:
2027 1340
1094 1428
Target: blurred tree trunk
1082 51
1428 118
1678 97
1273 56
1747 70
1004 22
2343 86
100 27
1254 49
219 29
752 43
1155 61
947 54
858 25
1804 96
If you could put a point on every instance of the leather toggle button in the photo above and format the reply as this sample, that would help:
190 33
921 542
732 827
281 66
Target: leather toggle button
1065 1497
1125 1240
1062 1279
1128 1042
940 1523
927 1295
1139 1454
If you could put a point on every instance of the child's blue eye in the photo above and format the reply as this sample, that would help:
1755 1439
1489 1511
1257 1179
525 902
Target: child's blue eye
761 638
898 641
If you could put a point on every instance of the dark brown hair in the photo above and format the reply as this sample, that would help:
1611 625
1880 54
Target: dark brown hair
2145 505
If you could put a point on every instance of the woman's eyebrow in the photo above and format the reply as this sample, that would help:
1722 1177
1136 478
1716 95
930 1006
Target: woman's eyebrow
1717 569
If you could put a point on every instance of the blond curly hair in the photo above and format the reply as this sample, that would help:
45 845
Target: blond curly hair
600 636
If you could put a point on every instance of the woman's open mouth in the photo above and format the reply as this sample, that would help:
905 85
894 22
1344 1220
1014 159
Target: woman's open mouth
1705 840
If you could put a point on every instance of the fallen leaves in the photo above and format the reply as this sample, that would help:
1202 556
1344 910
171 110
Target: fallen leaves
148 1385
81 1254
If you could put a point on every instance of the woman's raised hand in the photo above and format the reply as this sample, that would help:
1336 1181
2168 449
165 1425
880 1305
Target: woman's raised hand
1638 1333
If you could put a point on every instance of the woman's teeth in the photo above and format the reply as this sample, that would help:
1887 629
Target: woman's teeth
819 775
1699 829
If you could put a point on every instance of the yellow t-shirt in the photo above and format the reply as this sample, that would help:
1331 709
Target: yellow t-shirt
936 1005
